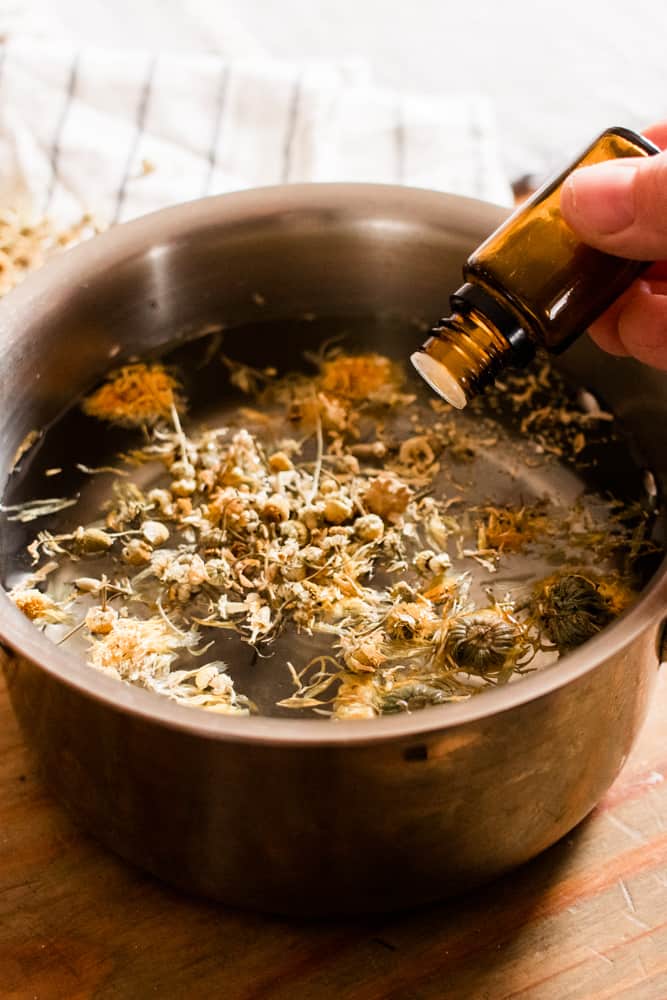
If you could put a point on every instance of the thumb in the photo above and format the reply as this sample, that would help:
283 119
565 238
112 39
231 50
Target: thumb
620 206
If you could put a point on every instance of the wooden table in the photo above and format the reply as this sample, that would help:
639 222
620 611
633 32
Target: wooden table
588 919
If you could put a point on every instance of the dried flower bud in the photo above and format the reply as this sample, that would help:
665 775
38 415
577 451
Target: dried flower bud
100 621
280 462
484 641
276 508
90 540
182 470
88 585
364 656
571 609
137 552
294 529
337 509
183 507
369 528
211 538
154 532
334 541
439 563
206 479
184 487
217 572
294 571
163 500
197 570
313 555
407 620
422 559
312 515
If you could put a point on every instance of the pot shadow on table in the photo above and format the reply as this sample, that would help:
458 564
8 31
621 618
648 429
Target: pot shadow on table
77 921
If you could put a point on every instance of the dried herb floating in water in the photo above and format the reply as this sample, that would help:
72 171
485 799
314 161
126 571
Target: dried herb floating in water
137 394
572 608
339 510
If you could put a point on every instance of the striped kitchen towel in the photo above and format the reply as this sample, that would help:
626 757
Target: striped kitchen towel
122 132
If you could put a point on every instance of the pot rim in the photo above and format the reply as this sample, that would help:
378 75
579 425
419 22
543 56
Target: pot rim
78 267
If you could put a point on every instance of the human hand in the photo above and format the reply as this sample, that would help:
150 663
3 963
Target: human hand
620 206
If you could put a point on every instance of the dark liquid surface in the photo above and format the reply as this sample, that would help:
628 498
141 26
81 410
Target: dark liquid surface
505 467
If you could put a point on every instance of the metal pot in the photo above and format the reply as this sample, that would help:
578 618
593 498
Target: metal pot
290 815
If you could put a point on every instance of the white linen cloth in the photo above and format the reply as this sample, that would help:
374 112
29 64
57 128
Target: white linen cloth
120 132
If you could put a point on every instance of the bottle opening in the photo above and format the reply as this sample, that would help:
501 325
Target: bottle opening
439 378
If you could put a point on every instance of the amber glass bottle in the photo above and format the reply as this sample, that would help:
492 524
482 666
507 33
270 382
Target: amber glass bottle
531 283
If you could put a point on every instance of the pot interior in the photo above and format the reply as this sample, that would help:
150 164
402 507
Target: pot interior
266 283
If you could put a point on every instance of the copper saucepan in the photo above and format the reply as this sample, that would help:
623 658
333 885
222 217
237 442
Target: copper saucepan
291 815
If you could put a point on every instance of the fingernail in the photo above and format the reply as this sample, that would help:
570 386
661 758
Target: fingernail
601 198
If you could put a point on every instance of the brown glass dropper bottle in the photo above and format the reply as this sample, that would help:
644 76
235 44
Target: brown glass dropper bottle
531 284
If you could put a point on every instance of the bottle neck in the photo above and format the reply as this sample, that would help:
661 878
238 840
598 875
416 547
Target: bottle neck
465 353
462 356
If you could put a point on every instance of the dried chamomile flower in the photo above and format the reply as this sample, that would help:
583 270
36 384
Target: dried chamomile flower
155 532
38 607
387 497
276 508
407 620
363 655
100 620
139 650
337 509
134 395
429 562
183 572
209 686
137 552
369 528
280 462
334 527
128 504
323 410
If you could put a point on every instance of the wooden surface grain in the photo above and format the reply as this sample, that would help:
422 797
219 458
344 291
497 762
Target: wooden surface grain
586 921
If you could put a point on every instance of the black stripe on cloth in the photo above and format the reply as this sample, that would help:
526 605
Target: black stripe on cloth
55 145
142 109
218 116
290 131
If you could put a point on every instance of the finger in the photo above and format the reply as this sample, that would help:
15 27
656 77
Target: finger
641 323
657 134
605 332
620 206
